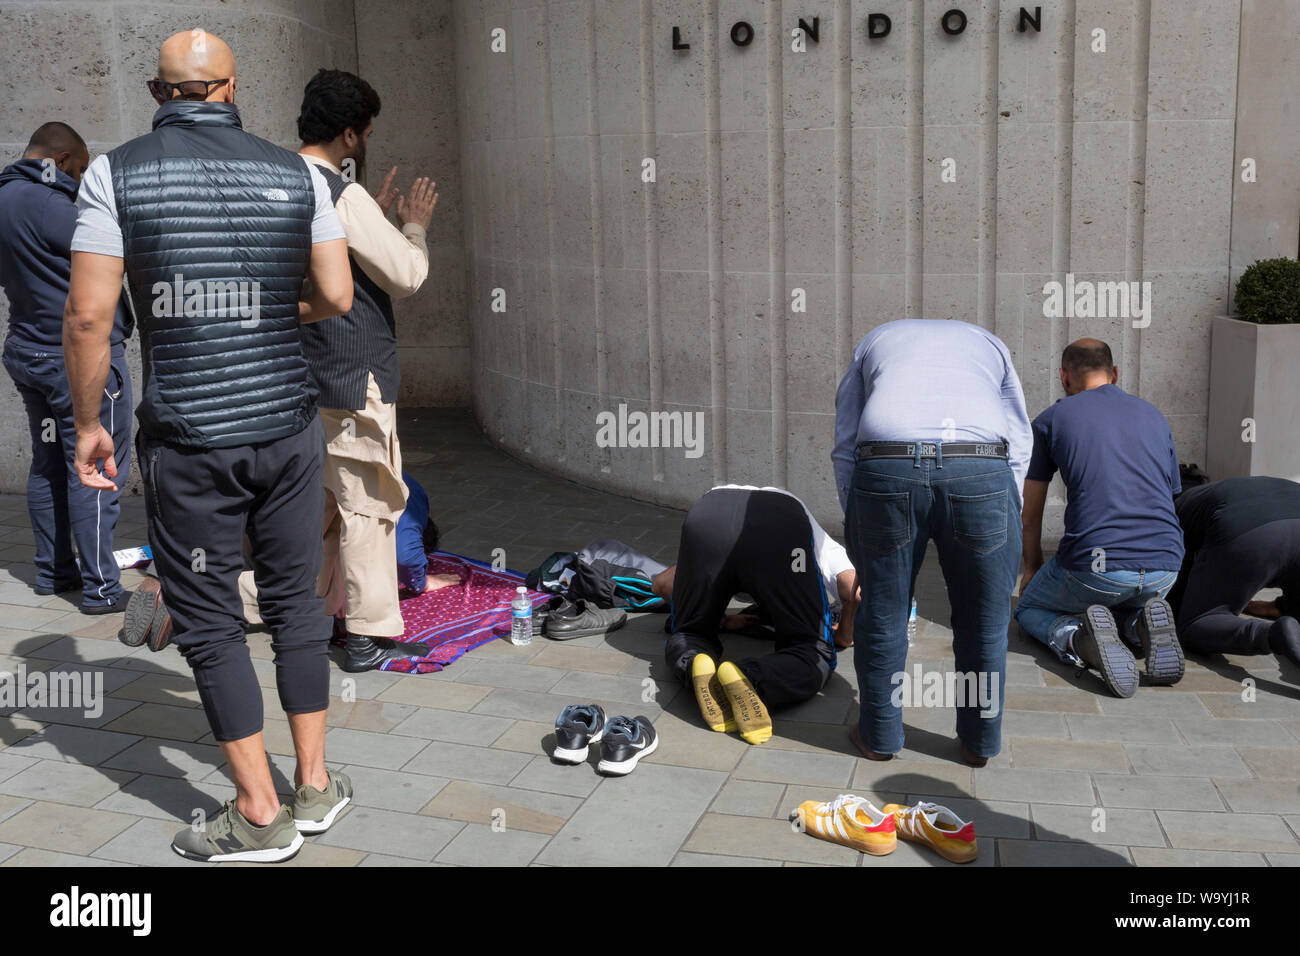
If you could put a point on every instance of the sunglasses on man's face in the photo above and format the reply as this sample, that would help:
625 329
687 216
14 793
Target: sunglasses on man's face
186 89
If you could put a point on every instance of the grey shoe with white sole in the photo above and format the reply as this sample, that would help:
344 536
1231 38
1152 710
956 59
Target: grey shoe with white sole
314 810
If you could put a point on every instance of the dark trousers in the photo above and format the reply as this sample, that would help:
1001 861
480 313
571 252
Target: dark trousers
759 543
61 508
970 507
1225 577
200 505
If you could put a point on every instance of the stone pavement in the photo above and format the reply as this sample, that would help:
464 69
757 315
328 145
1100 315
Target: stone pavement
1188 775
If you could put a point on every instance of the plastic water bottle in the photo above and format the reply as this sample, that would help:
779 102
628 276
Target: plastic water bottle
521 619
911 625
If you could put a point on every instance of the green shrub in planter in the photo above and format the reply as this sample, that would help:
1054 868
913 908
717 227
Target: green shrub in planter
1268 292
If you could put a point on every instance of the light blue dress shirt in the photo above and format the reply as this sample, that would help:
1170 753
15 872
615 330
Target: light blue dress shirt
930 380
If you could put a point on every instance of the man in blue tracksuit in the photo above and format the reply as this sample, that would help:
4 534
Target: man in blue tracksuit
37 219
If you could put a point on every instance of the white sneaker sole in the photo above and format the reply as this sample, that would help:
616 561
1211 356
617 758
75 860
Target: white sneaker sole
273 855
620 768
565 755
320 826
570 756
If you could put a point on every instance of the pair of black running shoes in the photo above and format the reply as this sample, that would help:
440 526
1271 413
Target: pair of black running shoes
623 740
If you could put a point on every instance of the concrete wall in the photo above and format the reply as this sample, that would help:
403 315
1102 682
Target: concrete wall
821 171
406 50
86 63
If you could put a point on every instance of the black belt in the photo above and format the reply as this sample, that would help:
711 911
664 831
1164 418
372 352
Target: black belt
951 449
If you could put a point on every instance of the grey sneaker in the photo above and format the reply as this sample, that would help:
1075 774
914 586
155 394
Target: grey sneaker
314 810
229 837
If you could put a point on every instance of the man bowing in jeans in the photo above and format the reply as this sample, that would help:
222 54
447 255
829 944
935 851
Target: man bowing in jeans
932 441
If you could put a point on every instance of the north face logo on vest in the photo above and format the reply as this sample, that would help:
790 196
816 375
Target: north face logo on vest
276 195
208 298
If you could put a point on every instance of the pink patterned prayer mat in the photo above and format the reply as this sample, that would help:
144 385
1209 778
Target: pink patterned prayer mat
457 619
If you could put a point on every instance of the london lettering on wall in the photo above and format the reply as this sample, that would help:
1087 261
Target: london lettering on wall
879 26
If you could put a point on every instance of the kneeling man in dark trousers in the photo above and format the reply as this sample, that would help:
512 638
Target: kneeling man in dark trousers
764 543
1242 535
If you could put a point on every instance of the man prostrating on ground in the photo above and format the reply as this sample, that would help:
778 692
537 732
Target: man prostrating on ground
761 542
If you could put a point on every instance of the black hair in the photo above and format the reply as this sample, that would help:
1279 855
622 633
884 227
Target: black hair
431 537
55 137
1077 359
334 101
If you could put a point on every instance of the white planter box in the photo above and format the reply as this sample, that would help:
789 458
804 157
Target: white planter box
1254 374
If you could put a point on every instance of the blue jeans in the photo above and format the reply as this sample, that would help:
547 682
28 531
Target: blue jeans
971 508
1050 608
61 508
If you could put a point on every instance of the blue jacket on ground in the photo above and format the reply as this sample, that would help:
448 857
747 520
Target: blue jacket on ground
37 219
412 563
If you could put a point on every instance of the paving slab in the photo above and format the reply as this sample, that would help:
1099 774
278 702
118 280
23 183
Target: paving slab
788 766
373 830
1034 786
461 762
1187 761
392 789
1028 753
369 749
1228 831
666 802
453 725
729 835
1100 825
1057 854
1157 792
479 845
63 828
509 807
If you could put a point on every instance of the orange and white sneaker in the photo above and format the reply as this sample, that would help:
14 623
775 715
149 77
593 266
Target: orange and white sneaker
938 827
849 821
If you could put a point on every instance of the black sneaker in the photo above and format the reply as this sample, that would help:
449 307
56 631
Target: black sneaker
66 587
115 606
581 618
626 741
1098 644
1160 647
577 726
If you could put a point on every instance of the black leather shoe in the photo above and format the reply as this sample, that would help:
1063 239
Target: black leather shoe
544 611
971 757
582 619
367 653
